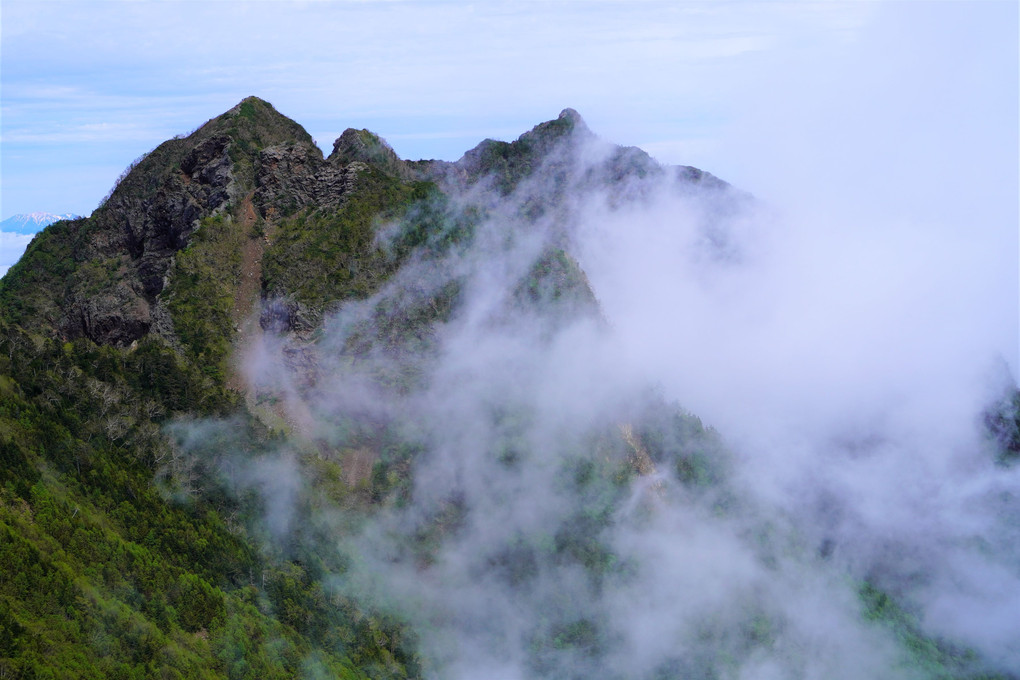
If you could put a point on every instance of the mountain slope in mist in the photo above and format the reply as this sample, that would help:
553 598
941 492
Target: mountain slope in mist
272 414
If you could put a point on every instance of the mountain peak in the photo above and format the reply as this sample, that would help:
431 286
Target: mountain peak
251 103
572 116
512 161
256 118
367 147
30 223
568 124
254 100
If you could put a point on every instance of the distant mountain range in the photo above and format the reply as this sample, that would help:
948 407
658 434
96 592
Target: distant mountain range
32 222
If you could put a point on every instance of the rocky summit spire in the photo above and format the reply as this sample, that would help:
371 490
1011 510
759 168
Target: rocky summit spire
573 117
513 161
364 146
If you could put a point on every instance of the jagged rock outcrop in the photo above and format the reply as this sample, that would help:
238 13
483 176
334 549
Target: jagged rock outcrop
147 219
118 316
507 163
295 176
288 178
285 316
260 168
367 147
156 207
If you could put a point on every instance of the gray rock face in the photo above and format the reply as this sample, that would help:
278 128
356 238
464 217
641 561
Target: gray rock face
118 317
295 176
286 178
147 219
127 249
159 204
287 315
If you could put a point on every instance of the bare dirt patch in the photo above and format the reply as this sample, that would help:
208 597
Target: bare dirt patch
357 465
245 313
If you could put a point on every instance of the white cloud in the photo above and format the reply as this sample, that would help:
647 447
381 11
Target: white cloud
844 361
498 66
11 248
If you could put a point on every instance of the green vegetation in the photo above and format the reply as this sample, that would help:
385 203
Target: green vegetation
135 540
142 179
323 256
367 147
34 286
506 164
678 440
934 658
557 286
103 577
123 553
201 293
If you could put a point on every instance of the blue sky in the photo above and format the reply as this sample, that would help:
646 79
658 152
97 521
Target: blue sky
86 87
909 108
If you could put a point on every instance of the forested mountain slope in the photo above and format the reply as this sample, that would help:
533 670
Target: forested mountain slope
273 414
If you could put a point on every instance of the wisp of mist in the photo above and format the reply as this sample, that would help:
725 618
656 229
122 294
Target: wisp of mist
763 417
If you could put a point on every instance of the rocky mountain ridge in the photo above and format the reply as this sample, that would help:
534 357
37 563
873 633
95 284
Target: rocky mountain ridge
132 337
252 157
274 414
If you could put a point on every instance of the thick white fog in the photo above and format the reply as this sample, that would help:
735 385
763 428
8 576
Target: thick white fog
843 362
838 511
847 363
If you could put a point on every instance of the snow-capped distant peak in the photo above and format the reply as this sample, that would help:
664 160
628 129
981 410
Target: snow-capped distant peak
32 222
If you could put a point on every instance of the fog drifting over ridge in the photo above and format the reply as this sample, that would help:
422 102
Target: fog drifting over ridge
845 366
842 335
848 365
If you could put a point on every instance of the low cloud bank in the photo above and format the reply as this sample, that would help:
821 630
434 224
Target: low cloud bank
12 246
554 508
